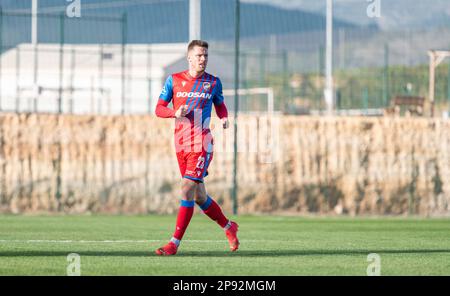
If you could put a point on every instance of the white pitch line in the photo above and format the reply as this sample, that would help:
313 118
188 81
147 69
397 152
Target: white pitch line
76 241
114 241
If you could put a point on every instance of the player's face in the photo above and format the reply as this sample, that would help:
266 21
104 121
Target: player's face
198 59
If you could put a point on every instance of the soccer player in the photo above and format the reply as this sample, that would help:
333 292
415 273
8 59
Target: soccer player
192 93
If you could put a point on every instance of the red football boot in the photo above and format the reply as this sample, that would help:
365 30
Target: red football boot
167 250
231 234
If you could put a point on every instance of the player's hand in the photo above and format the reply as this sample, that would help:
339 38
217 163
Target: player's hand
225 123
182 111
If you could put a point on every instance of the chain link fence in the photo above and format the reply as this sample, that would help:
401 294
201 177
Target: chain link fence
115 57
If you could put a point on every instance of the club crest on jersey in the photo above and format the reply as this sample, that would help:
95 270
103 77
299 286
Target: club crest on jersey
206 86
183 83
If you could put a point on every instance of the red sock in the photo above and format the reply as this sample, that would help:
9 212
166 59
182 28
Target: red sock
213 210
184 217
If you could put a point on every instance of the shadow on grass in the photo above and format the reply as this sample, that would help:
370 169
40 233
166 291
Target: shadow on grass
241 253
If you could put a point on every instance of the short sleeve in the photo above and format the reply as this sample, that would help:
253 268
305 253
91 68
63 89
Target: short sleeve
167 91
218 95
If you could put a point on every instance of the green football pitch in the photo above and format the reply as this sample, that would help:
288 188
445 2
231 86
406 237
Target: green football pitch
270 245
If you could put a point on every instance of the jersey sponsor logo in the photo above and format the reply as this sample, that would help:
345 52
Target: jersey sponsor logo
184 94
206 86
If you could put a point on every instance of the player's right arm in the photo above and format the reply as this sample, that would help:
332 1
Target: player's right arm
164 99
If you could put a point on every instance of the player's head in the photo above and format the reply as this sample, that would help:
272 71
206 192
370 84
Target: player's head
197 55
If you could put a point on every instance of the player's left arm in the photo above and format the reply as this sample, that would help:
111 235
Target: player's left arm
219 105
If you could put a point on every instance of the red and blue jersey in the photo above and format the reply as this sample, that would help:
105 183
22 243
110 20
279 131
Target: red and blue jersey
193 139
199 94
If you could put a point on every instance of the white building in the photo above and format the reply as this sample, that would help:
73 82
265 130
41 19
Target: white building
90 79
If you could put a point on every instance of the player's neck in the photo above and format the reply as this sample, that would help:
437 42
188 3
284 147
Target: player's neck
195 74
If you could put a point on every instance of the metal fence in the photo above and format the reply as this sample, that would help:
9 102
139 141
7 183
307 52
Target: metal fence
117 61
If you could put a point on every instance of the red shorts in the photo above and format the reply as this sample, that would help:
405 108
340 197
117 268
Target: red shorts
194 165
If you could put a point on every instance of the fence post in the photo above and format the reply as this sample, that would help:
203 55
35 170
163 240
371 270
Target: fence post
58 191
35 76
100 79
124 41
61 60
365 97
243 65
448 84
17 77
386 75
128 77
338 99
321 72
262 67
234 190
286 90
72 74
149 79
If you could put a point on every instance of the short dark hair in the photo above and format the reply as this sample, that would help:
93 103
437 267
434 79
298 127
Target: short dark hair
194 43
